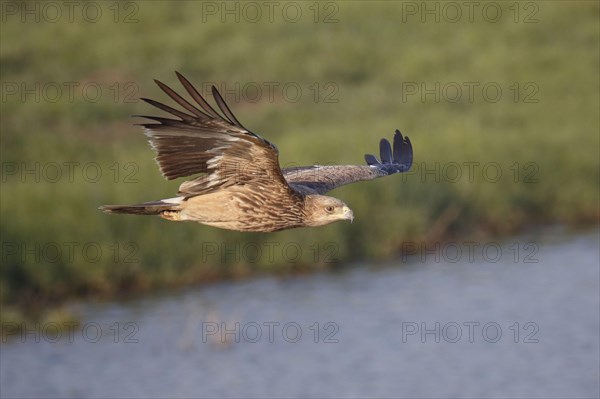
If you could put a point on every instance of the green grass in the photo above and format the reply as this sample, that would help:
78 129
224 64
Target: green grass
369 56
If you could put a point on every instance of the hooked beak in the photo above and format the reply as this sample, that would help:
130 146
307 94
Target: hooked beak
348 214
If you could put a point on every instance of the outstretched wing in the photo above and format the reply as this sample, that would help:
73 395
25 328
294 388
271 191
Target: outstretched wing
204 141
321 179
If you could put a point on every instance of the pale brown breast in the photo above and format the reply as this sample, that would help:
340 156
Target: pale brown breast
247 208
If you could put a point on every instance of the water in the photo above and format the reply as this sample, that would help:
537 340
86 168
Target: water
374 345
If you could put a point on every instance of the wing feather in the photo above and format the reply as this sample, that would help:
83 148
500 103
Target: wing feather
225 109
385 150
371 159
197 96
180 100
182 115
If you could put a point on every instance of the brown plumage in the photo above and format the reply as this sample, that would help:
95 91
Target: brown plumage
241 186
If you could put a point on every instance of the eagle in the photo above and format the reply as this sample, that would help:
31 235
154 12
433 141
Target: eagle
240 184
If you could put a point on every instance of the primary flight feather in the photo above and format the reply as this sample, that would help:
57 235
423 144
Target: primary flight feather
241 186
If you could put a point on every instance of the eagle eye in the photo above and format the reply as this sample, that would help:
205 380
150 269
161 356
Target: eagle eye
329 208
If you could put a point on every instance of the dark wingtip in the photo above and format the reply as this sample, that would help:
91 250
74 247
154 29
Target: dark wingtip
398 140
146 100
393 160
371 160
151 102
385 151
407 153
181 77
140 116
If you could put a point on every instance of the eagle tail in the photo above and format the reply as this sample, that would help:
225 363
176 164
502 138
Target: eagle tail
147 208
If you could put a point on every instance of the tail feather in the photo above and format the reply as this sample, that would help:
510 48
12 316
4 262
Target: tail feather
147 208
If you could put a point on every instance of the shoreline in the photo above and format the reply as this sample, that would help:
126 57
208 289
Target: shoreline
69 309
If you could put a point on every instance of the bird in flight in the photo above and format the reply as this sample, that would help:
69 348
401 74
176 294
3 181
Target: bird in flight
241 185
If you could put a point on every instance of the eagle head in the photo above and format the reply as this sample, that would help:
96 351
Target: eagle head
321 209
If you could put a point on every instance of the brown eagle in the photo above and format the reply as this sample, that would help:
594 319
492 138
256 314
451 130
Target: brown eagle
241 186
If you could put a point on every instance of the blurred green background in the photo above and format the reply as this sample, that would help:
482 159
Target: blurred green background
364 69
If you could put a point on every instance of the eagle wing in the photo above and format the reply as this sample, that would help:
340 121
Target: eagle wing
204 141
321 179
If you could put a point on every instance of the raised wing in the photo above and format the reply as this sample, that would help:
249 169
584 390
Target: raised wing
321 179
204 141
